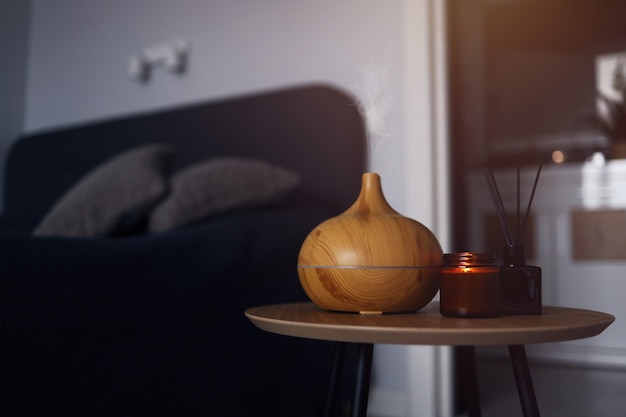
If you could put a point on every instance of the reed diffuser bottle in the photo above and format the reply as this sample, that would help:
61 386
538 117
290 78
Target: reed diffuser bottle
520 283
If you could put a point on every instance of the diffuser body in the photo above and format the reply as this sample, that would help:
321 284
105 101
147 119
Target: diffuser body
370 258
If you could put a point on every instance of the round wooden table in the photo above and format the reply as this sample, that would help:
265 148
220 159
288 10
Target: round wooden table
428 327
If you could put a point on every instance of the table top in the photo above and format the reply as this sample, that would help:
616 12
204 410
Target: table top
428 327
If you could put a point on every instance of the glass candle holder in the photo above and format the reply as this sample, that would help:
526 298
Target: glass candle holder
469 285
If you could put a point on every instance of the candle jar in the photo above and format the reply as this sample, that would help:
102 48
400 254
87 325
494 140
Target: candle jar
469 285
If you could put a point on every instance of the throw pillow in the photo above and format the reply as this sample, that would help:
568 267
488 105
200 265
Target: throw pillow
219 185
113 197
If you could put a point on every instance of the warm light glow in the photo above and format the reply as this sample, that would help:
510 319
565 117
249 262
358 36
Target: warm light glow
468 269
558 156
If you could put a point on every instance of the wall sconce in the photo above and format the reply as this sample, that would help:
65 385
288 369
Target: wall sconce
172 56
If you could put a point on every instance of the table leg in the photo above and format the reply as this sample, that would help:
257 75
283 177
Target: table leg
364 354
468 380
525 389
335 376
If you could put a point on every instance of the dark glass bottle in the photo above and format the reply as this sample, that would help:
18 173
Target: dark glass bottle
520 284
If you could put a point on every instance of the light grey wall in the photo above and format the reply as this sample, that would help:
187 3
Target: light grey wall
80 51
14 26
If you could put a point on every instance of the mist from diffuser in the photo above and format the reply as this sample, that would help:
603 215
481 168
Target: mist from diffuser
374 102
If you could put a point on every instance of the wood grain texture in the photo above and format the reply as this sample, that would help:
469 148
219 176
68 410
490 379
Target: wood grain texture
428 327
370 289
370 258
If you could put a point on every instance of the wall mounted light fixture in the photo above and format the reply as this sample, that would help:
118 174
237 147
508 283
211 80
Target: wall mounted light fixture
172 56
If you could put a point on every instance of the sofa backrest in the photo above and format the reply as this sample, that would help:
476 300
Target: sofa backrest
315 130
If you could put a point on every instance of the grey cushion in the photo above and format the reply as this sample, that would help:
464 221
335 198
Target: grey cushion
220 185
113 197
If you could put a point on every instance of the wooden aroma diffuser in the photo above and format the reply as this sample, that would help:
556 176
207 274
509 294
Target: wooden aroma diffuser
370 259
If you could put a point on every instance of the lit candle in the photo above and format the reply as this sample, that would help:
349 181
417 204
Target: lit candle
469 285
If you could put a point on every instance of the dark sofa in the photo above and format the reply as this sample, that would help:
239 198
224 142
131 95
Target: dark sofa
142 323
